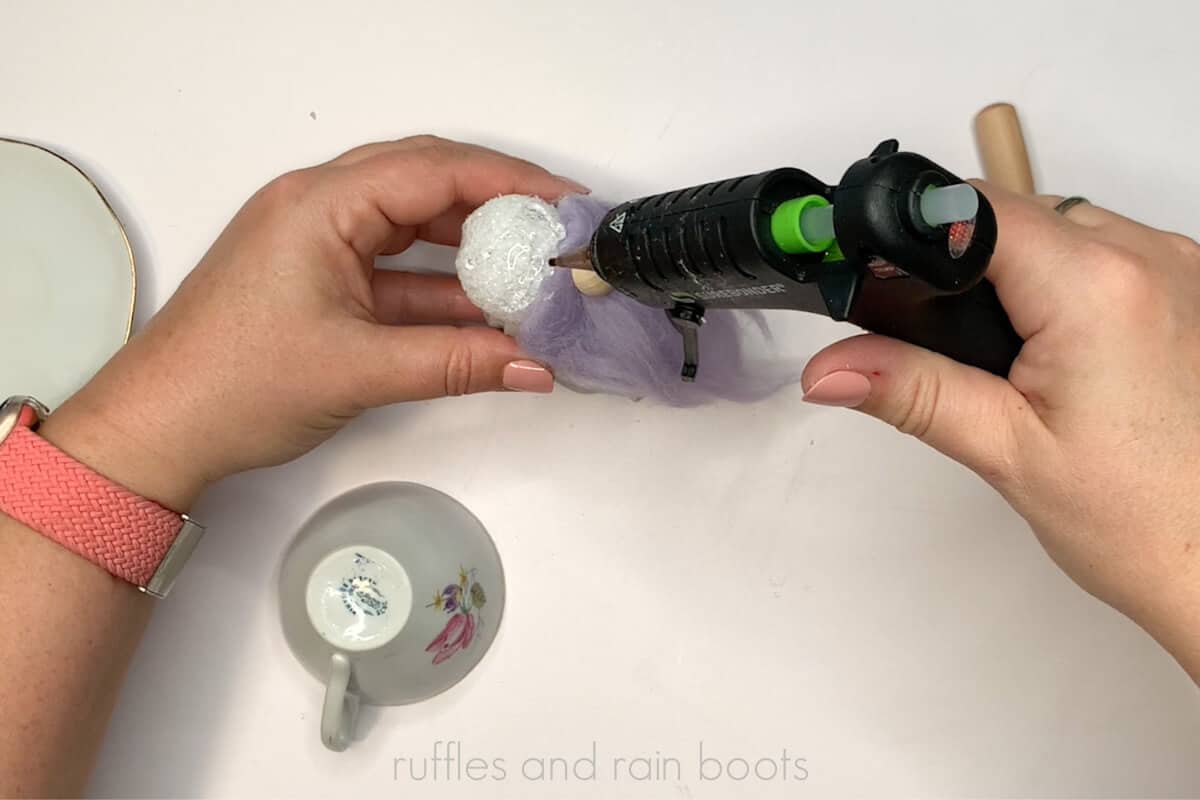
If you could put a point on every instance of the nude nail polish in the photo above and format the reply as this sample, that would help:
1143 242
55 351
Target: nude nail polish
843 388
528 376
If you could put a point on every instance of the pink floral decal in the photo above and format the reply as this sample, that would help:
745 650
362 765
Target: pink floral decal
462 601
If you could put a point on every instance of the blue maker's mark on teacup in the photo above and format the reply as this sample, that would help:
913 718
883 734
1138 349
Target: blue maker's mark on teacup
360 592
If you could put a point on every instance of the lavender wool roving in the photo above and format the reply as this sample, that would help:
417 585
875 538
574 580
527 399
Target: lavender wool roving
607 344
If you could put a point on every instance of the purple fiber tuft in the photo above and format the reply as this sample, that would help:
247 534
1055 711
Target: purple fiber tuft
617 345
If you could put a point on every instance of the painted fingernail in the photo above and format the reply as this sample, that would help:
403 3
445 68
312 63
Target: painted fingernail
528 376
575 186
842 388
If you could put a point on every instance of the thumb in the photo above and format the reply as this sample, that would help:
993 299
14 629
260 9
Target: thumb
421 362
970 415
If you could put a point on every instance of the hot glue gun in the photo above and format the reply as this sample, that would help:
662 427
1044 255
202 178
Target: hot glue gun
899 246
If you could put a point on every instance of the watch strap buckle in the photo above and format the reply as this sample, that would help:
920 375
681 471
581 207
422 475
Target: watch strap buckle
20 410
163 579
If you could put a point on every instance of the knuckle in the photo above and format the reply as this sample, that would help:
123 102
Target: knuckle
423 140
1185 246
918 406
433 148
1122 276
359 152
460 369
285 190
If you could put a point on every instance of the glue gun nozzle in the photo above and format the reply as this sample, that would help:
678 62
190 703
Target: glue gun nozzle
578 259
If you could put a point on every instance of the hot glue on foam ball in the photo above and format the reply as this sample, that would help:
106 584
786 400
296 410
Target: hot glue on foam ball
504 259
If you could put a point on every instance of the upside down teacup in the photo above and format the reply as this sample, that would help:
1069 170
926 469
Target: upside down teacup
389 594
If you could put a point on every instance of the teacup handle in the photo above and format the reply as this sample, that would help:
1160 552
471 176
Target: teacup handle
341 705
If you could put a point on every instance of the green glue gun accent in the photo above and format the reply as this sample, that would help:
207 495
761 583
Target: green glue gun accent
803 225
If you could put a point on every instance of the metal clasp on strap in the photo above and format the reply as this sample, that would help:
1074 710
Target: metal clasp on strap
20 410
163 579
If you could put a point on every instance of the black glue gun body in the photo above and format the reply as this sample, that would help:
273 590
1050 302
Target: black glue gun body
898 247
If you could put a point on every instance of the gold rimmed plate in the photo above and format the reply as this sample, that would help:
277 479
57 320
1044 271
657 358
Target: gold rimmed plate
67 275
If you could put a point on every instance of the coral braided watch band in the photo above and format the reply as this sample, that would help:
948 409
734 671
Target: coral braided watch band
48 491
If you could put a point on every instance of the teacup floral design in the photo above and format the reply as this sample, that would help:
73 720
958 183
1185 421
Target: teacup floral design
462 601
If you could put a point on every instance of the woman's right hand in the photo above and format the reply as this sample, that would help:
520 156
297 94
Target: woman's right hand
1095 436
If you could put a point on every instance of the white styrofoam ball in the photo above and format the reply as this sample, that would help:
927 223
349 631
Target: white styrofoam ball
507 244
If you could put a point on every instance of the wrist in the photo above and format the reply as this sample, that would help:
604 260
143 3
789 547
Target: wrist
111 437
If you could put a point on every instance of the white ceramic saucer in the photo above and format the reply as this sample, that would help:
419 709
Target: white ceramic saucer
66 272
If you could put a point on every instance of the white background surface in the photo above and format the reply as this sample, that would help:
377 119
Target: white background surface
759 578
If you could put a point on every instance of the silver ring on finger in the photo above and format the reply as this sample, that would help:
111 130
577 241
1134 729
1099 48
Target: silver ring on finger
1068 203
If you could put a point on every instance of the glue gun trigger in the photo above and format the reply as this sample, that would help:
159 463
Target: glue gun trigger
687 316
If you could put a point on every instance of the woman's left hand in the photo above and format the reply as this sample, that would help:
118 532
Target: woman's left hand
285 330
